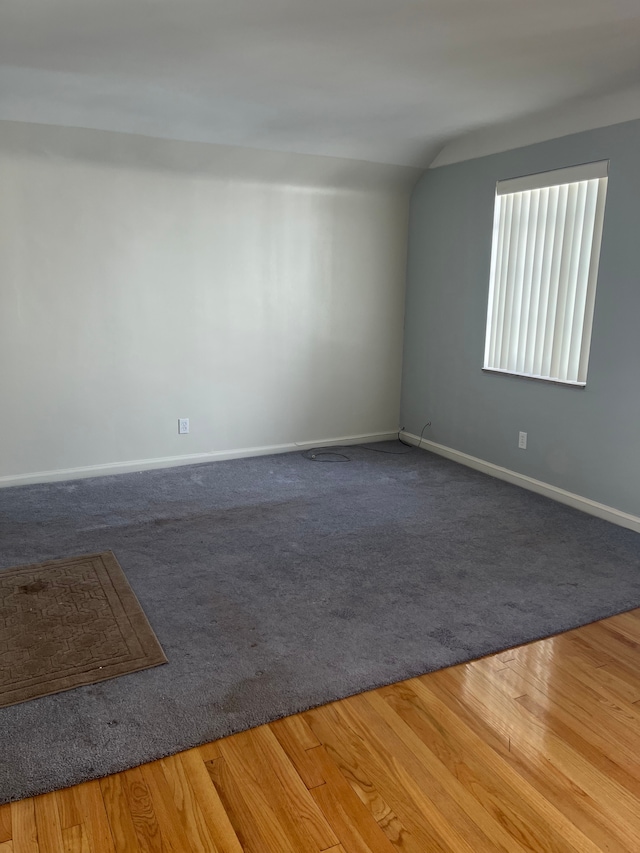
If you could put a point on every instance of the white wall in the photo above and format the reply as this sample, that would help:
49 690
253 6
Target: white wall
259 294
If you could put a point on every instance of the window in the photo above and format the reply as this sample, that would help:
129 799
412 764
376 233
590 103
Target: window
547 231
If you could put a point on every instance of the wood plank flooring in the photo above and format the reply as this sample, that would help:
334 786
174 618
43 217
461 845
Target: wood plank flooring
534 749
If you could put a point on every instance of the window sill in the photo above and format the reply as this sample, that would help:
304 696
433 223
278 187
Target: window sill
579 386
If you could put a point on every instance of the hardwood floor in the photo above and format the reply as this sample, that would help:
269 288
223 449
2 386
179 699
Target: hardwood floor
537 748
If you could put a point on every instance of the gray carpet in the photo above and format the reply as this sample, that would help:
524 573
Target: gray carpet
277 583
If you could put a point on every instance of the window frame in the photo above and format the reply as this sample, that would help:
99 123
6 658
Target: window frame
531 259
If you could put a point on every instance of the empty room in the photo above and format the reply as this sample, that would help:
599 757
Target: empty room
320 426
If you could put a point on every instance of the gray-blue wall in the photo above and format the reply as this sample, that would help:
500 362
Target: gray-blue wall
586 441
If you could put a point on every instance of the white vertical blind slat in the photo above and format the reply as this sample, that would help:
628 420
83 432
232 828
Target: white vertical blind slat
573 284
518 282
494 288
563 279
545 279
527 276
512 263
536 278
507 208
582 279
593 279
554 281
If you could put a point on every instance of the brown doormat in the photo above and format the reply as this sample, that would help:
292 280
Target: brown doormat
69 622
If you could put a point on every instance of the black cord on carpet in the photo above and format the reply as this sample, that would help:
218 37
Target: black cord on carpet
315 454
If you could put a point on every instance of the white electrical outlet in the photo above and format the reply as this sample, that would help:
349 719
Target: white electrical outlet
183 426
522 441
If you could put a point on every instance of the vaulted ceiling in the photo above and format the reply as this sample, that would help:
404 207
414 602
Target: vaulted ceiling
383 80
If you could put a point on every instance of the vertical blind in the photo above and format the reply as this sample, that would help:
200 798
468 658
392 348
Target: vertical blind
544 267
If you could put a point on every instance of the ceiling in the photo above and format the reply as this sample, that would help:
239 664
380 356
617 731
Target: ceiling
389 81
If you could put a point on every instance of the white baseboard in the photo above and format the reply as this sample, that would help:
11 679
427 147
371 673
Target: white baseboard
617 516
188 459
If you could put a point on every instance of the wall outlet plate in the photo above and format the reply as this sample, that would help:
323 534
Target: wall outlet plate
183 426
522 440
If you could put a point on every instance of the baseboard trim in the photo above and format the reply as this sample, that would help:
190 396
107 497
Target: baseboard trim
609 513
131 466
